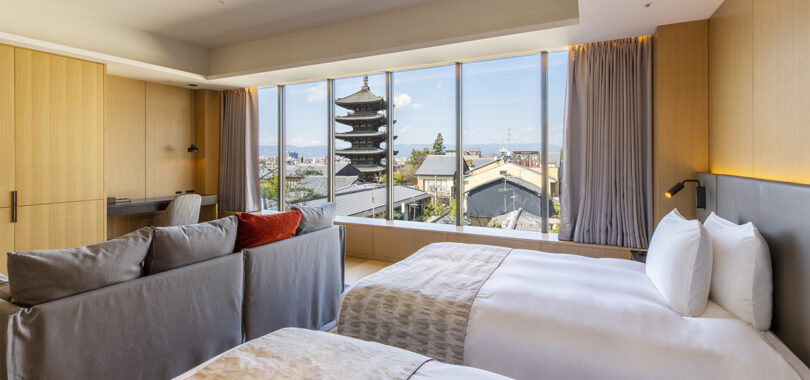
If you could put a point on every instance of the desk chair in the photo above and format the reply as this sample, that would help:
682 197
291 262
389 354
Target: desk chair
183 210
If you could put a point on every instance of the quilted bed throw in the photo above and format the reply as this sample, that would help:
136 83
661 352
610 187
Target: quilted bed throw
422 303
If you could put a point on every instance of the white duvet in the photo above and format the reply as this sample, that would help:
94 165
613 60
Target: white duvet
553 316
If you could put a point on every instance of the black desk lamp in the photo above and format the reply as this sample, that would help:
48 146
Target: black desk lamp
700 192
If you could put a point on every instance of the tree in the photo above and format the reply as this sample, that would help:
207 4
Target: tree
408 172
453 207
438 144
434 208
397 178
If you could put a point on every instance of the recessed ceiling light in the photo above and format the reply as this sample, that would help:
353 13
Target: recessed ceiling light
192 85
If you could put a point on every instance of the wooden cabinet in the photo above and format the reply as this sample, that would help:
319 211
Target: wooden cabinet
58 129
51 151
6 124
59 225
6 237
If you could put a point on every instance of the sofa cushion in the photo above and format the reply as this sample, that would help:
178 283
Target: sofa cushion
5 290
314 218
37 277
256 230
174 247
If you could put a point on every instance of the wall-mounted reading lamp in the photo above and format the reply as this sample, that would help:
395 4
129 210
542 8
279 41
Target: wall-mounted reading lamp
193 148
700 192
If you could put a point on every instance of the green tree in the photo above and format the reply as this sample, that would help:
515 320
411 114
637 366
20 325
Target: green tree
433 208
397 178
453 207
414 162
438 144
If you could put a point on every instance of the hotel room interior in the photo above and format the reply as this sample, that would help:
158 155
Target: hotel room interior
405 189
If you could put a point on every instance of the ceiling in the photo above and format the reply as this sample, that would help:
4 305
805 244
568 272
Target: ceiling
216 23
176 41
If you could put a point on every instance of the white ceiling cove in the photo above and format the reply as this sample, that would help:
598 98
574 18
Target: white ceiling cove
204 41
214 23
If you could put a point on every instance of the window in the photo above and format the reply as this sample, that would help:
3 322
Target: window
502 154
502 125
425 128
557 77
360 143
305 143
268 147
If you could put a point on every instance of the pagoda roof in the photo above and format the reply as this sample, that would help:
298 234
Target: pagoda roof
360 134
360 118
370 168
360 152
364 96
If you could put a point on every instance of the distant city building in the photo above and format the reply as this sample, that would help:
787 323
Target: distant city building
527 158
365 120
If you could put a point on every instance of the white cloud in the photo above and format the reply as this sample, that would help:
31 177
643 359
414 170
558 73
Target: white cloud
317 93
402 100
418 105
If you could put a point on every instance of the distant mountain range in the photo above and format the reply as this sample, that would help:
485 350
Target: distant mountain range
487 150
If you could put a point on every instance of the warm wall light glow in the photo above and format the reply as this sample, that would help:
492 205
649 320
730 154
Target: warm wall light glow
668 194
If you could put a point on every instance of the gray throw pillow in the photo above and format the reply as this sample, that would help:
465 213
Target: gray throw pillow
5 290
37 277
174 247
314 218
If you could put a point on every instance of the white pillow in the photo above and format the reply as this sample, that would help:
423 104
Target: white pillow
741 275
679 263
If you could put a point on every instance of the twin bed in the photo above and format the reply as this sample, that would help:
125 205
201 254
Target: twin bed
533 315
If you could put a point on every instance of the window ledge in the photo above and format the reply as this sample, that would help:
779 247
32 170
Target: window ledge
470 230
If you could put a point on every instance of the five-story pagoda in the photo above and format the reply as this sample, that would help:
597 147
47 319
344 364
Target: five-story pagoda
365 119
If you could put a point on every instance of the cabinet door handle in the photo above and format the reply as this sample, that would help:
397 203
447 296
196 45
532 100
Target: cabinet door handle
14 206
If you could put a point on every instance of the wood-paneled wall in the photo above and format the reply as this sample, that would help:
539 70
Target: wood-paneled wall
681 114
125 137
6 124
206 125
169 166
759 69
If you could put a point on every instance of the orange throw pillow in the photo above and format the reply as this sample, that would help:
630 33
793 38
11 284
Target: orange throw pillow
256 230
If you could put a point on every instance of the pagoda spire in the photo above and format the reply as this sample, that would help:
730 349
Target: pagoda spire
365 83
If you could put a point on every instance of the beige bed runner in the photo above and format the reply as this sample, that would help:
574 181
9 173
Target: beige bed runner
422 303
293 353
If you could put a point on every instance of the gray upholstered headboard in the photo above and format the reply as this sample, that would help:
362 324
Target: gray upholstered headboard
781 211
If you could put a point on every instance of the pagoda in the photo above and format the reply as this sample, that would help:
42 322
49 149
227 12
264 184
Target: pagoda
365 119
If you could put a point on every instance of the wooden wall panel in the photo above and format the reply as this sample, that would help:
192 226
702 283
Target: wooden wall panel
58 128
759 60
681 117
124 137
169 167
59 225
781 60
6 125
6 237
731 132
206 125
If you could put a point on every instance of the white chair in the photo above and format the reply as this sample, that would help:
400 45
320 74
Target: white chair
182 210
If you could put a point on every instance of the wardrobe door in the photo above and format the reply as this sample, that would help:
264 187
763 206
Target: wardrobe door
59 225
6 237
58 128
6 125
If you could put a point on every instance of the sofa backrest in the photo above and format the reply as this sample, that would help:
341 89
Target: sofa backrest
155 327
305 293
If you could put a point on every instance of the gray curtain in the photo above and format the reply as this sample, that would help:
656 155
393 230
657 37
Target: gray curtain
239 151
606 194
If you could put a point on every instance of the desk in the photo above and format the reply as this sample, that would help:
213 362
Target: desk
146 205
123 218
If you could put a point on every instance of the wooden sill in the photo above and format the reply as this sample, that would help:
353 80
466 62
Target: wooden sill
393 240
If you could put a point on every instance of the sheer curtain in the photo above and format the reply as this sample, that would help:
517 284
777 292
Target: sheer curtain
239 151
606 195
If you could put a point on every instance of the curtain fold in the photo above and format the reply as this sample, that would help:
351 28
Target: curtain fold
606 176
239 151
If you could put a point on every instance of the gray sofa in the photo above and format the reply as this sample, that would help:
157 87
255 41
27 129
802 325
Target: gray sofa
160 325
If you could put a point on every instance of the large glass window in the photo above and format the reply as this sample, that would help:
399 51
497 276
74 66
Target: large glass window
268 147
305 142
557 77
425 128
360 146
502 124
502 148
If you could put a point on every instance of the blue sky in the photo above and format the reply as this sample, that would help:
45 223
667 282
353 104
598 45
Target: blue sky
498 96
